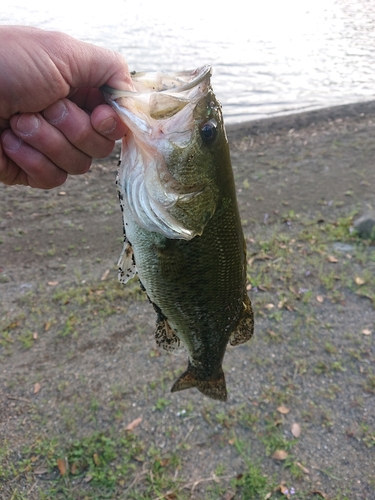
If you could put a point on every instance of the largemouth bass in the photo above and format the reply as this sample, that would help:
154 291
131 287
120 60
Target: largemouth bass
182 229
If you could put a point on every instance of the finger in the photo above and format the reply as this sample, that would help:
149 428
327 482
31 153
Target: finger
50 142
75 124
22 164
10 173
106 121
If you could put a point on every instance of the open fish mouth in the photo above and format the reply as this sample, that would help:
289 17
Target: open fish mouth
161 115
160 96
144 82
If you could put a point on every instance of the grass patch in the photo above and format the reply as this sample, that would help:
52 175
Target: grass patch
66 311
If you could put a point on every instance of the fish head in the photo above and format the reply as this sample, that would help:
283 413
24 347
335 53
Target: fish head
169 160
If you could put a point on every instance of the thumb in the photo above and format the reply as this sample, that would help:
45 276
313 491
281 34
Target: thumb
85 65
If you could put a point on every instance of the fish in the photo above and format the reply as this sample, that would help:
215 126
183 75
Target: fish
183 236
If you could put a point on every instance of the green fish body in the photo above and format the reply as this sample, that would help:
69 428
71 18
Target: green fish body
183 234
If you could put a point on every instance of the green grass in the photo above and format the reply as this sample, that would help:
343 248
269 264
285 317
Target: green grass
65 311
302 263
252 483
120 464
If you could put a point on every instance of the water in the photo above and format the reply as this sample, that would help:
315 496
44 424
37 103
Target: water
273 58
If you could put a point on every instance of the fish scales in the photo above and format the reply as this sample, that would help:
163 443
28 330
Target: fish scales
183 234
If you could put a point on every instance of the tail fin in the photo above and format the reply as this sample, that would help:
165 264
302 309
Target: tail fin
214 388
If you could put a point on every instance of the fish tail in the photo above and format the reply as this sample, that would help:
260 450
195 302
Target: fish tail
214 388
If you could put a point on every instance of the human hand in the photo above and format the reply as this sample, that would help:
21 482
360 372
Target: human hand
53 119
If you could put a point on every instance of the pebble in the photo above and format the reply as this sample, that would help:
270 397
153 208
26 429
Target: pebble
343 247
365 226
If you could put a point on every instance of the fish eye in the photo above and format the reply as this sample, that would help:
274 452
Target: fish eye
209 131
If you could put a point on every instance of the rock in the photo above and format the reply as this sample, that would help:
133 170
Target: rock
343 247
365 226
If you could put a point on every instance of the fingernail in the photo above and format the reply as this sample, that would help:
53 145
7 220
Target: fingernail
27 124
56 112
107 126
11 141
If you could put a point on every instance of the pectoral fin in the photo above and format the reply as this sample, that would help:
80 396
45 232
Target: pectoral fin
214 388
245 328
126 264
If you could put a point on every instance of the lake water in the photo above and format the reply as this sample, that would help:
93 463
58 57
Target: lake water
273 58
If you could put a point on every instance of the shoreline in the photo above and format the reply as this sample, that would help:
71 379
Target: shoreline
298 120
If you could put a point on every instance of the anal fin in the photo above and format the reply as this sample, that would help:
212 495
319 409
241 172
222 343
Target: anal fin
245 327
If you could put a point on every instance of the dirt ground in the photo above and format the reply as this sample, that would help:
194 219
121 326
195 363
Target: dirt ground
78 362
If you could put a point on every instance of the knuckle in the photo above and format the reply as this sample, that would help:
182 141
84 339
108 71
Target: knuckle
82 137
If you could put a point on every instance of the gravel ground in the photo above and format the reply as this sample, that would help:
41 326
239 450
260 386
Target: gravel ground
79 362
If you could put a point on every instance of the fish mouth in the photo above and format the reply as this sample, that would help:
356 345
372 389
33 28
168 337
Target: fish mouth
160 114
160 82
160 96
